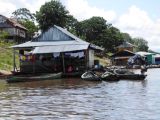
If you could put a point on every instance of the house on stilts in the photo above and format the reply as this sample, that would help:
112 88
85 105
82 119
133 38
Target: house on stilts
124 52
15 31
55 50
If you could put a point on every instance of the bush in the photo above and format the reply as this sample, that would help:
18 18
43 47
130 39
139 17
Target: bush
3 35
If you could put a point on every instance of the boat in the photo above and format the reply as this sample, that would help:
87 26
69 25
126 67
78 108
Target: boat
109 76
73 74
125 74
37 77
91 76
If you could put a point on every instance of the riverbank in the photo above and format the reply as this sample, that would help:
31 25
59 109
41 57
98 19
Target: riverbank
6 56
4 74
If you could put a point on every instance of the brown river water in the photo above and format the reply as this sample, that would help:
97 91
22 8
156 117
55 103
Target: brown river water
75 99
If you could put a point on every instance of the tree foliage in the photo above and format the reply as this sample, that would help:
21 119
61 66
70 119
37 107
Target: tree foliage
127 38
114 38
97 31
71 24
142 44
23 14
52 13
26 18
31 27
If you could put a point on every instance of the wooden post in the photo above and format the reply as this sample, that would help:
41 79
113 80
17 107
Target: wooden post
63 62
14 64
34 69
86 59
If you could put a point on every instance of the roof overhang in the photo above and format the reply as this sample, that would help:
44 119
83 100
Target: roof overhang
95 47
59 48
120 58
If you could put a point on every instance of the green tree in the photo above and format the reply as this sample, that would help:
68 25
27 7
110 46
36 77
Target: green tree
71 24
97 31
52 13
142 44
26 18
23 14
31 27
92 29
127 38
112 38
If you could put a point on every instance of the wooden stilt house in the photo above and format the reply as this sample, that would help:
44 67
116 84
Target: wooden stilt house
121 58
55 50
124 52
16 32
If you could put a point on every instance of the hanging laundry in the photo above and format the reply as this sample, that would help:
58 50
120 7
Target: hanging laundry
56 54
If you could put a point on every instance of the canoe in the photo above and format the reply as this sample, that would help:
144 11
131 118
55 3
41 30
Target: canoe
109 76
73 74
124 74
91 76
26 78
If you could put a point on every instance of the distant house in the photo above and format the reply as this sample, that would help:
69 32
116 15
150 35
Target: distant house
151 58
56 50
121 57
126 46
124 52
16 31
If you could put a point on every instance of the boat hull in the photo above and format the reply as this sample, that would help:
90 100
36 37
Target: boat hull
108 76
90 76
132 77
124 74
27 78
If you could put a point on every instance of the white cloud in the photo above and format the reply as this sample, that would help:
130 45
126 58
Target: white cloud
6 8
81 10
137 23
34 5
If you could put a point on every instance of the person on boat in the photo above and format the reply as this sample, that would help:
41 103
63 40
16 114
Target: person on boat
143 69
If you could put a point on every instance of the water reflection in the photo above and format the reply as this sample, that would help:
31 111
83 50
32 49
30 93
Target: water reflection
77 99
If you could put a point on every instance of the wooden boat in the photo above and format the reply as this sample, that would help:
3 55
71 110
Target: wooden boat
73 74
124 74
26 78
109 76
91 76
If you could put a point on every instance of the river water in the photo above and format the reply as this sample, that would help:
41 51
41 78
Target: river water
75 99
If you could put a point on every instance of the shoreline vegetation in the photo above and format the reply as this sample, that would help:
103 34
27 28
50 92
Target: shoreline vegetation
6 58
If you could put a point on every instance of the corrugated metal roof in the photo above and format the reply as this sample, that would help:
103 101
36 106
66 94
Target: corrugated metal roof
12 22
16 24
123 53
59 48
96 47
57 36
71 35
38 44
57 33
126 45
142 53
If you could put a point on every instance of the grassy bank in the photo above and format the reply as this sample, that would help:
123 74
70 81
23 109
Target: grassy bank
6 56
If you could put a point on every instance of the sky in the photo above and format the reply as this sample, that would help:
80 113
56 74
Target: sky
139 18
